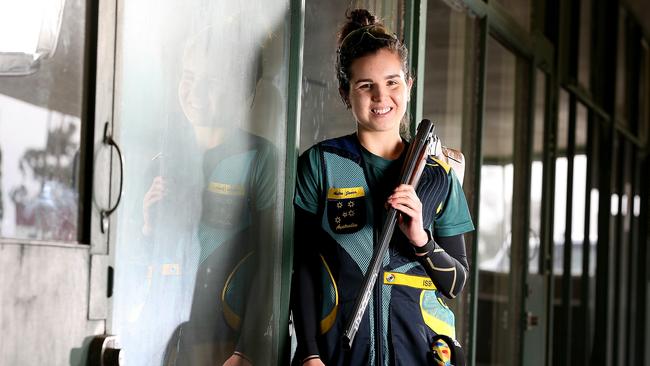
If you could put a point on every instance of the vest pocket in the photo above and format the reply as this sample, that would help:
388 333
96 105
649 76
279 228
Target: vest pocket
346 209
224 206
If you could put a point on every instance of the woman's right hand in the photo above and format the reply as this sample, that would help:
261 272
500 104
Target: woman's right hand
155 193
314 362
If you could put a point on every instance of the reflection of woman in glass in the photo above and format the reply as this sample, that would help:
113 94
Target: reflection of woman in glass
343 185
230 309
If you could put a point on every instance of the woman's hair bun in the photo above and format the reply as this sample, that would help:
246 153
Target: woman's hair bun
357 18
361 17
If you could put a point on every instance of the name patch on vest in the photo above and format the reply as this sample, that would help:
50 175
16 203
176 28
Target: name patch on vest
224 205
346 209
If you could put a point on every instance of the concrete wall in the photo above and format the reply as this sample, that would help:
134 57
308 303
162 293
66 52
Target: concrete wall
44 304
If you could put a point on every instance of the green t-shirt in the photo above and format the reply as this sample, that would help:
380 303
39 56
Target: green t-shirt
382 177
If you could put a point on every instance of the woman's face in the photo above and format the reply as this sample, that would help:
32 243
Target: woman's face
214 90
379 91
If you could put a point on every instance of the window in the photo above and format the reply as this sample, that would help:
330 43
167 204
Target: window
41 124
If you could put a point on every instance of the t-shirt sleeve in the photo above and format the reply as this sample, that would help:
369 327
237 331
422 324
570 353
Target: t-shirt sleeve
308 181
454 219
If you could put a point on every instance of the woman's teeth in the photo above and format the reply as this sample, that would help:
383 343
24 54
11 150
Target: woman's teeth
381 110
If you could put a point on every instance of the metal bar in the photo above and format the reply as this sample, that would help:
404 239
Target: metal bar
584 97
548 206
474 202
297 38
524 107
415 40
42 243
88 123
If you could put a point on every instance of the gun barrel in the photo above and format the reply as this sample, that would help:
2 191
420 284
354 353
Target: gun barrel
411 172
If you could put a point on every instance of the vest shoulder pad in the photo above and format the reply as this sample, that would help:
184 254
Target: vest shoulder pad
345 146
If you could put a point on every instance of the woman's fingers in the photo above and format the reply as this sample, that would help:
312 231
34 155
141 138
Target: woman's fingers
405 200
407 207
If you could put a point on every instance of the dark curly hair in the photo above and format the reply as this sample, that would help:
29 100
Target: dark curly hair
360 36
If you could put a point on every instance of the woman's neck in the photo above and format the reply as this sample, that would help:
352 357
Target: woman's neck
388 145
209 137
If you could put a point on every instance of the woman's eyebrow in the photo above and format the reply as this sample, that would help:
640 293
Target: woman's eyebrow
387 77
363 81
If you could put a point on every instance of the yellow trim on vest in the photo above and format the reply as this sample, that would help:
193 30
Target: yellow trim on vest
439 208
443 164
327 322
227 189
345 193
437 325
171 269
403 279
233 320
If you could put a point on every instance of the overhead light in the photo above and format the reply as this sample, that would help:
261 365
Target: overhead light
29 31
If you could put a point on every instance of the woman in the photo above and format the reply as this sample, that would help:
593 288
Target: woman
342 188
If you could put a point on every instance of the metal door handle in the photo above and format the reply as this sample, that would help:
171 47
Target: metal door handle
108 139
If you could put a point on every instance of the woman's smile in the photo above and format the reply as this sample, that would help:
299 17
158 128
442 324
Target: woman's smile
381 111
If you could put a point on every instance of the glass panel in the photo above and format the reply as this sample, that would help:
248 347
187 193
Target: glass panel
584 39
624 257
537 278
644 94
200 103
536 179
494 223
445 71
621 67
561 172
578 217
39 162
559 224
449 66
579 191
520 10
323 113
595 170
637 257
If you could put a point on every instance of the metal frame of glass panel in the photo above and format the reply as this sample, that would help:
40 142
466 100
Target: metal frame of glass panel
293 136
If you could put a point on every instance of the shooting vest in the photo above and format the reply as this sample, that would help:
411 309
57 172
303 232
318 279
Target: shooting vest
406 311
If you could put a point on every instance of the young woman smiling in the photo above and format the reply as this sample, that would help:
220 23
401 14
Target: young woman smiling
342 190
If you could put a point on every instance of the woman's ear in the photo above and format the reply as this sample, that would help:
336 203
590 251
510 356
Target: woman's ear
345 98
409 85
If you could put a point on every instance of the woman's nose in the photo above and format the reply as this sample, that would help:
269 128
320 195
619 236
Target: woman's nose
378 93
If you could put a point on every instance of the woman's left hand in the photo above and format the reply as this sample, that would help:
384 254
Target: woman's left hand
405 200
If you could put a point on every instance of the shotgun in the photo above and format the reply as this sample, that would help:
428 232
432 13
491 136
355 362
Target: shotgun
414 163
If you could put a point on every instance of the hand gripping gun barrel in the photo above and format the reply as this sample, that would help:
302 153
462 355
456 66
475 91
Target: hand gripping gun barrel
424 144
